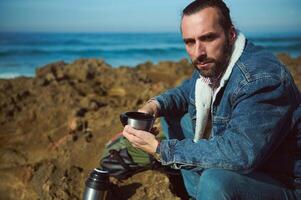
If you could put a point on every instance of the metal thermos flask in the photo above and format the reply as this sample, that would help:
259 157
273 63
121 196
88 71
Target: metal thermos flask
97 185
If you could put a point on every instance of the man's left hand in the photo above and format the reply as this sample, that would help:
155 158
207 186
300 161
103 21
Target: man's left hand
141 139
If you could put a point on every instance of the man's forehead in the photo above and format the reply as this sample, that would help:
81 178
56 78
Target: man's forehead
205 20
206 14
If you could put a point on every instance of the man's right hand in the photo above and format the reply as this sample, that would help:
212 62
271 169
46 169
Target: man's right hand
150 107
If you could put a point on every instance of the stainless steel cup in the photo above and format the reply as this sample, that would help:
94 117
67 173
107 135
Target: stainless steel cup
138 120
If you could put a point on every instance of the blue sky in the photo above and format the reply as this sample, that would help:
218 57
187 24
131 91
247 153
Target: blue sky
139 16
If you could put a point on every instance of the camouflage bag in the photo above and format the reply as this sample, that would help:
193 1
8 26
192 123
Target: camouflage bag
122 160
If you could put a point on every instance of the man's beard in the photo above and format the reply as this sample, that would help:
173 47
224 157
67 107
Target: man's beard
218 66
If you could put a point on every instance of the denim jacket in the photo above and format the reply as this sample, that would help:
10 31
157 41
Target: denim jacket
255 119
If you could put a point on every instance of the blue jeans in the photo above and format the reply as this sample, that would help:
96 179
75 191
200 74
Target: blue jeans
219 184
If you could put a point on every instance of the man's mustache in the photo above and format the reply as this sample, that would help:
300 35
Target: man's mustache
202 61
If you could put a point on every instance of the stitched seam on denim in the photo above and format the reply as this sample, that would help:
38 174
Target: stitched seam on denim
206 166
242 68
244 84
217 119
191 100
251 78
169 153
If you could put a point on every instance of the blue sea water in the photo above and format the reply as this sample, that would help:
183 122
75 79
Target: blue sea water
22 53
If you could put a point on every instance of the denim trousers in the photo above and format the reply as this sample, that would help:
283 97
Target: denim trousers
220 184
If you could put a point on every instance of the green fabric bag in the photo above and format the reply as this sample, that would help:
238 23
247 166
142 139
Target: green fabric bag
122 160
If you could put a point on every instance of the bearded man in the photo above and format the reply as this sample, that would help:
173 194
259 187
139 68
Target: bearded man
233 128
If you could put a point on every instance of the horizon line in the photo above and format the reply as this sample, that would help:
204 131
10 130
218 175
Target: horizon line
58 31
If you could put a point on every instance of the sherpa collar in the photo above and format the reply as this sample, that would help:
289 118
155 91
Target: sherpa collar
204 94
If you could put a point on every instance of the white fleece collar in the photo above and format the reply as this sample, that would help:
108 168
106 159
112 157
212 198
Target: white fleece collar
204 95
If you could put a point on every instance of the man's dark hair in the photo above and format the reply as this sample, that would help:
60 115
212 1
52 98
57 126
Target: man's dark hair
197 5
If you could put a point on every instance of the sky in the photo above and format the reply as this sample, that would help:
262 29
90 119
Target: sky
266 16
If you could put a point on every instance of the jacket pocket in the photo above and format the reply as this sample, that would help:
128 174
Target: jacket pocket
219 125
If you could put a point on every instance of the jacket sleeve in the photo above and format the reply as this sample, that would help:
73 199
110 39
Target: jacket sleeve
260 118
175 100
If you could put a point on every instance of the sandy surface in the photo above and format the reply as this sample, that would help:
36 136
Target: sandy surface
53 127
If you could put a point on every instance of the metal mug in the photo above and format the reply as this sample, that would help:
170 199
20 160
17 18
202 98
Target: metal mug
138 120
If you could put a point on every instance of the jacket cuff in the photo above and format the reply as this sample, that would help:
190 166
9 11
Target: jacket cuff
166 151
154 100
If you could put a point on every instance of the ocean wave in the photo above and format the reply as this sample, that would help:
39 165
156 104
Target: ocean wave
125 51
37 52
276 39
51 42
279 48
9 75
21 53
33 43
81 44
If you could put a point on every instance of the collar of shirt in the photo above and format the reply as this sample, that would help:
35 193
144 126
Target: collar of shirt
212 82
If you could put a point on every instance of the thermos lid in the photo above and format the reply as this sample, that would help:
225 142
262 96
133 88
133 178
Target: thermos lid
98 179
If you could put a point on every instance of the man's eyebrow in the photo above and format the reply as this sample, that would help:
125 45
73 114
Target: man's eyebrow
206 35
202 37
188 39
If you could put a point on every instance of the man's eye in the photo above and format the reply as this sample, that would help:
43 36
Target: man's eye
189 42
209 38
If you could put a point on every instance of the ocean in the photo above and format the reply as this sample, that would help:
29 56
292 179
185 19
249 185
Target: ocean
22 53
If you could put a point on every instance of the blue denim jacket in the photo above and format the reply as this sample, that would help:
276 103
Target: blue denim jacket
254 120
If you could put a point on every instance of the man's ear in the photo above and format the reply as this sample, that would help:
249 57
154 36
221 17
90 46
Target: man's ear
232 35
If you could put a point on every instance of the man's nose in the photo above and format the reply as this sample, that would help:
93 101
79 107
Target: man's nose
200 49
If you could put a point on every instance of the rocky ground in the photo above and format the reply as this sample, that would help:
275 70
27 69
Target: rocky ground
54 126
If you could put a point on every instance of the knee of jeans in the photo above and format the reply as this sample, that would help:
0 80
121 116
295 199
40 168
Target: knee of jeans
215 183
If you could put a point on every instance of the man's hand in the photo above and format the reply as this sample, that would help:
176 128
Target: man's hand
141 139
150 107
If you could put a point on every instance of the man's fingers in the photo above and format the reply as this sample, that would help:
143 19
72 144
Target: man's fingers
131 135
140 139
127 135
142 110
137 133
